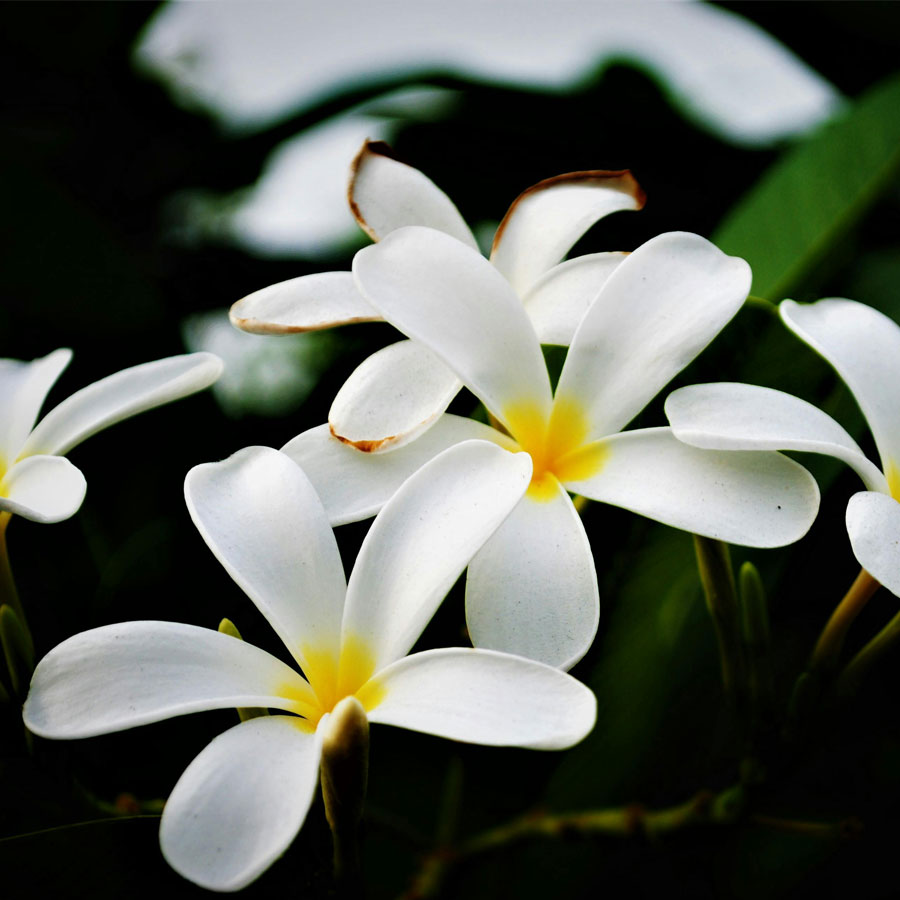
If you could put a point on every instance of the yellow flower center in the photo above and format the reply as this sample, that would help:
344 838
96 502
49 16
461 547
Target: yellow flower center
559 448
332 679
892 473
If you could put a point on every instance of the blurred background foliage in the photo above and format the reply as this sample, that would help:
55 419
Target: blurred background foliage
118 243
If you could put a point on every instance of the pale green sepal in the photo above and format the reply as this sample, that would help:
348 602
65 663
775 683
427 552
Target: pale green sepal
226 626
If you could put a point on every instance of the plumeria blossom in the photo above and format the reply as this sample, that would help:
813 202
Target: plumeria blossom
239 805
863 345
411 385
36 481
532 589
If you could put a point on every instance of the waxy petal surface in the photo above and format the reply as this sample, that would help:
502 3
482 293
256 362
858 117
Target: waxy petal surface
730 416
119 396
386 194
545 220
864 346
42 488
392 397
240 803
424 538
307 303
485 697
663 304
121 676
445 295
557 302
23 387
262 519
353 485
755 499
532 589
873 523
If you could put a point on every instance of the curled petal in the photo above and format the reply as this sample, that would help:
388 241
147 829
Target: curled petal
730 416
557 302
241 802
119 396
42 488
308 303
23 387
261 518
545 220
446 296
424 538
664 303
386 194
121 676
758 499
864 346
392 397
873 523
485 697
532 589
353 485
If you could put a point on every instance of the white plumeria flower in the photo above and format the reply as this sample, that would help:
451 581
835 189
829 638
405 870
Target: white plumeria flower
532 589
240 803
410 385
863 345
36 482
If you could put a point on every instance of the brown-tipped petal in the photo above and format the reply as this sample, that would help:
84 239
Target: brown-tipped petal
545 220
385 194
307 303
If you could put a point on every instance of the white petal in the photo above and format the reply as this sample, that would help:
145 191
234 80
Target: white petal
392 397
485 697
386 194
758 499
729 416
43 489
307 303
23 387
873 522
443 294
120 676
240 803
119 396
864 346
557 301
657 311
354 485
423 539
547 219
532 588
262 519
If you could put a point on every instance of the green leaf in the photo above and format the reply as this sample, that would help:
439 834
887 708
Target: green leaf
800 211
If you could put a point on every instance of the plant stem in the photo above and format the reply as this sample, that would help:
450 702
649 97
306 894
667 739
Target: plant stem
831 640
8 592
858 667
717 578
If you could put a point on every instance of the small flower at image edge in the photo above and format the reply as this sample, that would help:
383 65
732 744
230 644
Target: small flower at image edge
36 481
863 345
239 805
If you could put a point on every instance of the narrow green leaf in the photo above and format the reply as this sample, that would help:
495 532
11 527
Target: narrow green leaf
799 212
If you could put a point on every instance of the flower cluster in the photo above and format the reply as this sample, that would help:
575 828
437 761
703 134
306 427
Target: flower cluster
448 493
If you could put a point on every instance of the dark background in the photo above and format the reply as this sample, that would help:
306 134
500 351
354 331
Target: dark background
90 153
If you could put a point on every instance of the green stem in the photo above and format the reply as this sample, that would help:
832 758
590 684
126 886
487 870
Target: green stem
859 666
8 593
831 640
717 578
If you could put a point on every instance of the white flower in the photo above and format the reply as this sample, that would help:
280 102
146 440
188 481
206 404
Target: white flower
412 387
532 589
863 345
36 482
238 806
